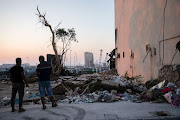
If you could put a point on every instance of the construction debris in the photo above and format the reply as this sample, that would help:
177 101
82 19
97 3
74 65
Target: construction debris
108 87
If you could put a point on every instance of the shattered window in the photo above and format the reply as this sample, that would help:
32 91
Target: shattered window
116 35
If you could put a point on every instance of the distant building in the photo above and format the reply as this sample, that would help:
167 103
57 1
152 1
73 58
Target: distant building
89 59
7 65
11 65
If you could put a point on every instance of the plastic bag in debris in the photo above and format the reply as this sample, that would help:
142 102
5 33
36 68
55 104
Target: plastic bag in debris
139 88
96 96
105 92
123 84
168 96
104 96
6 101
27 90
170 84
126 97
148 95
178 92
116 79
176 102
121 80
113 92
33 96
107 97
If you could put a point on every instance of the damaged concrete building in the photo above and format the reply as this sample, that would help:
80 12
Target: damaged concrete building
146 34
89 59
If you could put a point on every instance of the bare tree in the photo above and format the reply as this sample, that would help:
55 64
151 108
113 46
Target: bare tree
44 22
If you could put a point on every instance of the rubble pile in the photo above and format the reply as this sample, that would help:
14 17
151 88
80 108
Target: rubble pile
109 87
32 79
99 88
110 72
170 73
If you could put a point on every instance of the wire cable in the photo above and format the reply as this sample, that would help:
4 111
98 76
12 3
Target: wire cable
163 29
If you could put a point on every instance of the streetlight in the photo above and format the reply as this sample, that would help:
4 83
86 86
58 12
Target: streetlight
75 59
70 58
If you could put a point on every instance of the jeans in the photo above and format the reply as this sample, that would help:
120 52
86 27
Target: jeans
45 85
20 88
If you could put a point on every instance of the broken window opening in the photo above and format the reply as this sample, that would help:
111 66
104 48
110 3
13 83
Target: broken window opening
132 54
115 35
154 51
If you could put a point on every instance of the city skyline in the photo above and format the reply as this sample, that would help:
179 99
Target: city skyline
22 35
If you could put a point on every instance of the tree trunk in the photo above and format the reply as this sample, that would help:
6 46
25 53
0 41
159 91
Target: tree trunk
44 21
55 51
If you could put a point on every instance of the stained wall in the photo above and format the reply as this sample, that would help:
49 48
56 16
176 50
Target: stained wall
139 23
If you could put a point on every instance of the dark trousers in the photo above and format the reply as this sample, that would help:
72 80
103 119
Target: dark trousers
20 88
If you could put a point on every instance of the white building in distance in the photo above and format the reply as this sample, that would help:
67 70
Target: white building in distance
89 59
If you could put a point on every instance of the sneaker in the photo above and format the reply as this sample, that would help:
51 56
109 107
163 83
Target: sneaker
22 110
44 108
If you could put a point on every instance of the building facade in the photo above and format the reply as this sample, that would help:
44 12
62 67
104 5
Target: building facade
146 34
89 59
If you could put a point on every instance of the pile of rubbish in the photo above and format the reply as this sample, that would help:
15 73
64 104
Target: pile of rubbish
100 96
172 94
107 87
5 101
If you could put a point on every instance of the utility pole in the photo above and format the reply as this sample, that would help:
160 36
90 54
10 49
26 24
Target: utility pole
100 60
76 58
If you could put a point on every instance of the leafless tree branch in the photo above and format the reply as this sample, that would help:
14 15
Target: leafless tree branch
44 22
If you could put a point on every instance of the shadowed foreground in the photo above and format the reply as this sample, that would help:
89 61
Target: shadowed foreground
95 111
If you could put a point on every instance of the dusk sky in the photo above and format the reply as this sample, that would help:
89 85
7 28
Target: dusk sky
21 35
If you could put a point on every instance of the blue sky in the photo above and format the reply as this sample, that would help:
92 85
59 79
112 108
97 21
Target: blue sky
22 35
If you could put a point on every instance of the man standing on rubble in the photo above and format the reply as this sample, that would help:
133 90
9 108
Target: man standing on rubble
17 76
44 71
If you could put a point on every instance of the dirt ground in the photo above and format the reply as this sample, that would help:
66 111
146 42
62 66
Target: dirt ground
6 88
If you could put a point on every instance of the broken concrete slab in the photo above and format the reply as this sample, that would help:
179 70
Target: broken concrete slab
170 73
110 83
67 77
81 79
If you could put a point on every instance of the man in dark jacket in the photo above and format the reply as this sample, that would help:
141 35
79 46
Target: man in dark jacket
17 76
44 71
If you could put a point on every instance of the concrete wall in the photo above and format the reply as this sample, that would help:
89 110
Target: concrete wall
139 23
